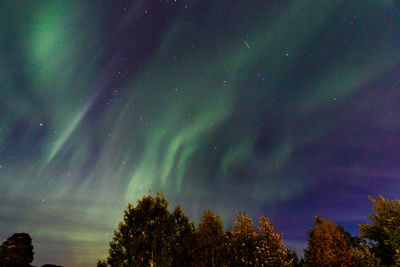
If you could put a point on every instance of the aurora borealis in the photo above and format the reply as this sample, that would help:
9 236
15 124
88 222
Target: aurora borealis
286 109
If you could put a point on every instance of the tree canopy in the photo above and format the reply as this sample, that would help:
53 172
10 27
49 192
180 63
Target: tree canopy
150 235
383 233
210 241
17 250
249 245
328 245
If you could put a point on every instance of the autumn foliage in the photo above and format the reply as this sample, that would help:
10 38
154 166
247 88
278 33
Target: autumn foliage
251 245
383 233
329 246
210 238
151 235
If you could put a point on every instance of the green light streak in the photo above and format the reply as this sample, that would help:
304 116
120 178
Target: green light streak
66 133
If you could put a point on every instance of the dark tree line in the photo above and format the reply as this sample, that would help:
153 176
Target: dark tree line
151 235
17 251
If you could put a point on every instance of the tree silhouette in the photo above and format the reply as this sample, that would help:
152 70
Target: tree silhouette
384 232
210 241
241 241
182 239
251 246
329 245
151 235
17 250
293 258
271 249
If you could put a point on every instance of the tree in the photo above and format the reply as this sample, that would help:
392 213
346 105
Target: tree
143 237
151 235
271 249
328 245
251 246
292 257
383 233
101 263
364 255
241 241
17 250
183 239
210 241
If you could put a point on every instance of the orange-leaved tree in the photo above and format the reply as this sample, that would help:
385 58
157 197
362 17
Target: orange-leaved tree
329 245
249 245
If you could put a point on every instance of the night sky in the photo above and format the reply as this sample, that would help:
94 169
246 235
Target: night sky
286 109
